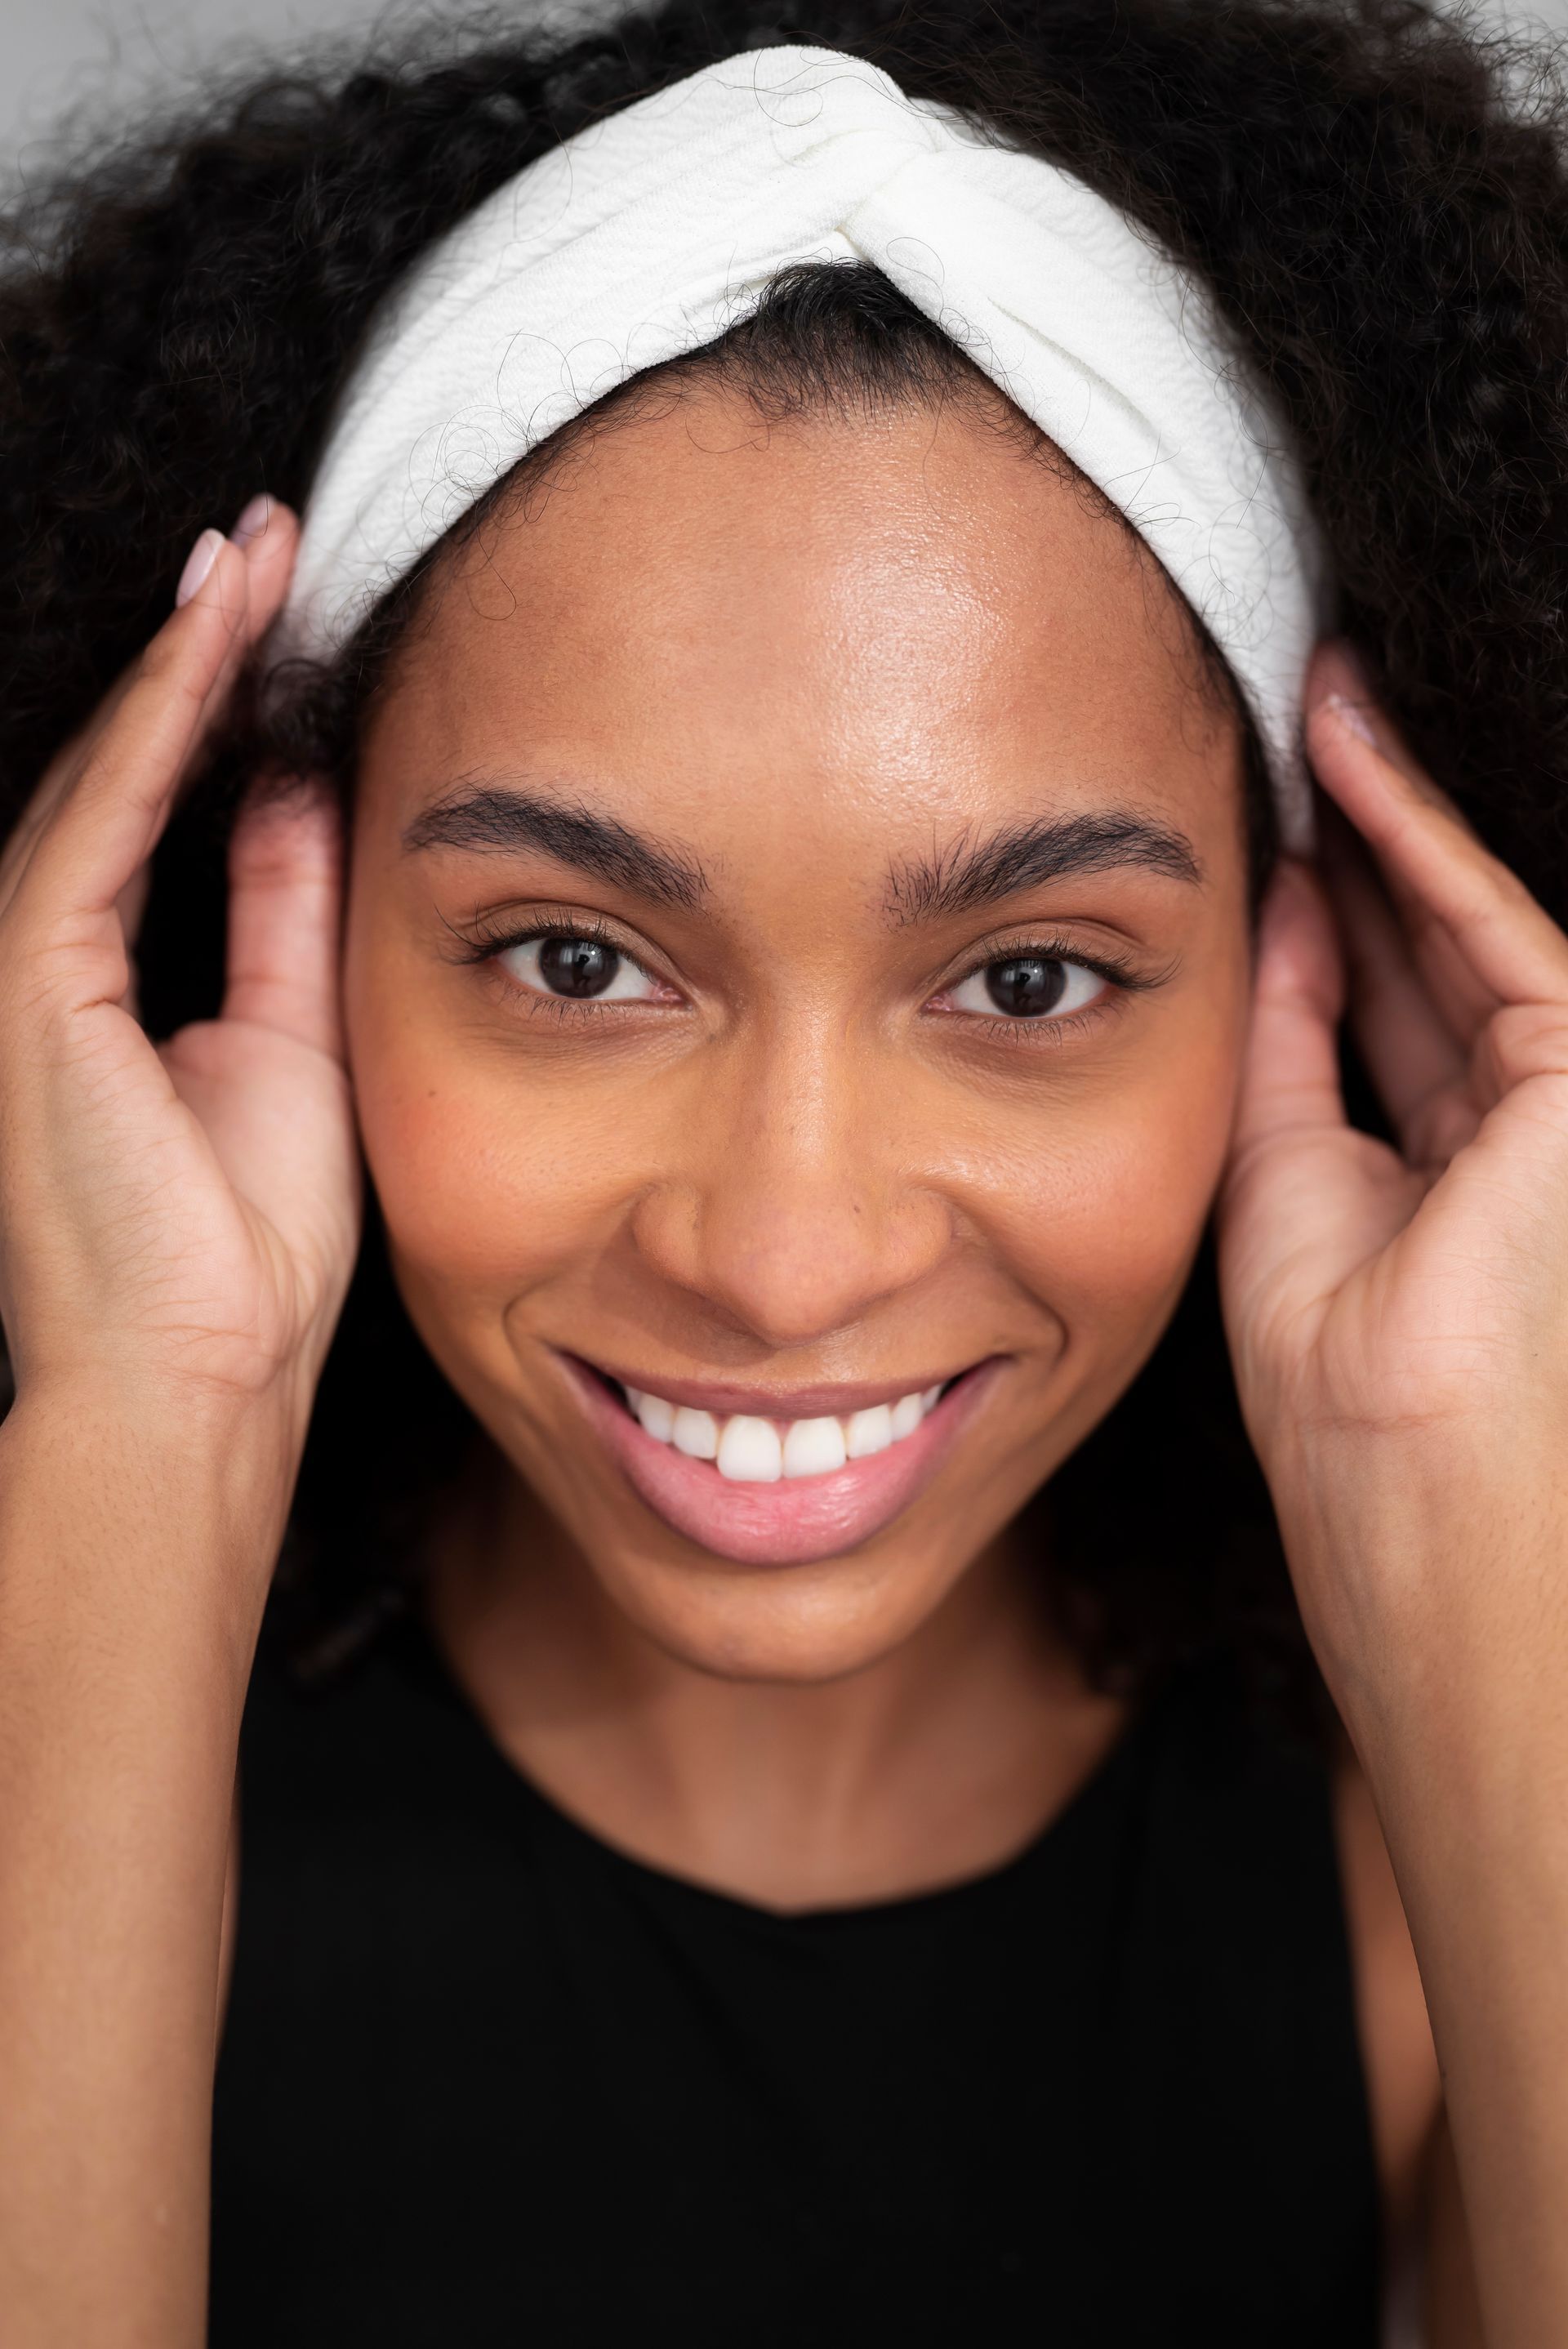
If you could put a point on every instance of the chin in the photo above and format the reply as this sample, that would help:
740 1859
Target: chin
816 1623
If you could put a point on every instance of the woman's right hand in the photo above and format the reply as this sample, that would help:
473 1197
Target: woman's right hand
178 1221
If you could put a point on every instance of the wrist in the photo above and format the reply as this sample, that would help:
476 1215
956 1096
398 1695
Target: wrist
1433 1584
189 1423
133 1497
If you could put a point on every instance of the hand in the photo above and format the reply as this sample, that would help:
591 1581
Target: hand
178 1221
1399 1317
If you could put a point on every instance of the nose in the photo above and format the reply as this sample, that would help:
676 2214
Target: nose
793 1212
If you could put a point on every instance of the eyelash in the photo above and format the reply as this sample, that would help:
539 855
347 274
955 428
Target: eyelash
1049 1033
488 944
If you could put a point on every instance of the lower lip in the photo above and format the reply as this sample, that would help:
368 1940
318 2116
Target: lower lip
797 1519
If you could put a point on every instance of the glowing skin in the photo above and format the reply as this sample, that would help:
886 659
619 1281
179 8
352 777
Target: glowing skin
789 1170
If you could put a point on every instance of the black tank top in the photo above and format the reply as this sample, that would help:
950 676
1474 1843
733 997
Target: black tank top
486 2082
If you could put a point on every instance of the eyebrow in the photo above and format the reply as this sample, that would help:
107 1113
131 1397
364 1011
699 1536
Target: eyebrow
970 873
497 818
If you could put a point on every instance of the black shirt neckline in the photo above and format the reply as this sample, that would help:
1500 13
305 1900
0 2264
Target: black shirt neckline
420 1651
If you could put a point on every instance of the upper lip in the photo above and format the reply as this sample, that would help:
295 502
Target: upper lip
723 1401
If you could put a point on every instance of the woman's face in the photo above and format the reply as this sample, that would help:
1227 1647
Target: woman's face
797 967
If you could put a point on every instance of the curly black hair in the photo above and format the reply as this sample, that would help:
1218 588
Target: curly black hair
1377 195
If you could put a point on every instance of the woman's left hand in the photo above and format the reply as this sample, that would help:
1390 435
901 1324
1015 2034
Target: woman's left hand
1398 1316
1399 1321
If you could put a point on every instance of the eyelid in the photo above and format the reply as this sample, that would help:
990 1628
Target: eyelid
491 934
1050 947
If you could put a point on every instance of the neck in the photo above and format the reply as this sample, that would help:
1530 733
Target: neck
938 1762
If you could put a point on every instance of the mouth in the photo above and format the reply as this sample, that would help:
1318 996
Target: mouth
778 1480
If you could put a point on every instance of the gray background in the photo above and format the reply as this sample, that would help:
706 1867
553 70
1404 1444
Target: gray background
90 59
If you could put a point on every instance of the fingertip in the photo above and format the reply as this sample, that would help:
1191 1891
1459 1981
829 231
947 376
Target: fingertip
1336 672
199 565
252 521
286 910
214 579
293 818
1345 719
1298 949
267 534
1338 721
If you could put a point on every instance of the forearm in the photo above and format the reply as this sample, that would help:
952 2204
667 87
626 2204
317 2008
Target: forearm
1482 1867
135 1549
1457 1703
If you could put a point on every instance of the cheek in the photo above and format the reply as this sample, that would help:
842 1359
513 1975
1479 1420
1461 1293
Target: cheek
480 1188
1097 1211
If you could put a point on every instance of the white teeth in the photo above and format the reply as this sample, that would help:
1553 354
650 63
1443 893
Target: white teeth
695 1432
813 1447
907 1413
750 1452
868 1431
656 1415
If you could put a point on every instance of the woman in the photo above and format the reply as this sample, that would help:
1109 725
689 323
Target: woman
772 852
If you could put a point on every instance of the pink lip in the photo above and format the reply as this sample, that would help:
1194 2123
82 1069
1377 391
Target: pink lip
800 1518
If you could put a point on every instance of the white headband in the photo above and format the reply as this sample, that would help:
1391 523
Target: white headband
648 234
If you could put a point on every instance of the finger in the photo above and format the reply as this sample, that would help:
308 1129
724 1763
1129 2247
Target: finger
107 823
1305 1198
129 907
1508 944
1290 1069
286 874
1338 673
1461 998
267 534
1411 1054
57 778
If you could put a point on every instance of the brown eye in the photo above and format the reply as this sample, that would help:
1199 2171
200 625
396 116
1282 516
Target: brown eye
577 970
577 965
1028 986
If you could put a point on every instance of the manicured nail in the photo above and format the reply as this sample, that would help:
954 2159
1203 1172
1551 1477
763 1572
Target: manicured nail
252 521
1350 714
197 563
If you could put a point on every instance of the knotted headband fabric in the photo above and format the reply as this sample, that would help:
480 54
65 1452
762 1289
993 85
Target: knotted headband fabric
651 233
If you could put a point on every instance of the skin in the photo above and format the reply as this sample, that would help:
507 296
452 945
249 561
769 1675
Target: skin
790 1171
805 1167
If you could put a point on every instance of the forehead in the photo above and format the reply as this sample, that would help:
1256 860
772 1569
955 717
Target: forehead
900 617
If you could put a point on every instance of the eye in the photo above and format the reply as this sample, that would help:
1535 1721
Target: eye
1028 987
577 970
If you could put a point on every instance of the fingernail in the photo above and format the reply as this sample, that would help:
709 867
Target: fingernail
197 563
252 521
1351 715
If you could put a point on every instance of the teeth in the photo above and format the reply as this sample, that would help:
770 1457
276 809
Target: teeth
868 1431
751 1451
657 1416
813 1447
907 1414
697 1434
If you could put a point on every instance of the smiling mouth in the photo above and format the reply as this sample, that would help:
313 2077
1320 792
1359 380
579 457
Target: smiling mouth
774 1486
748 1449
